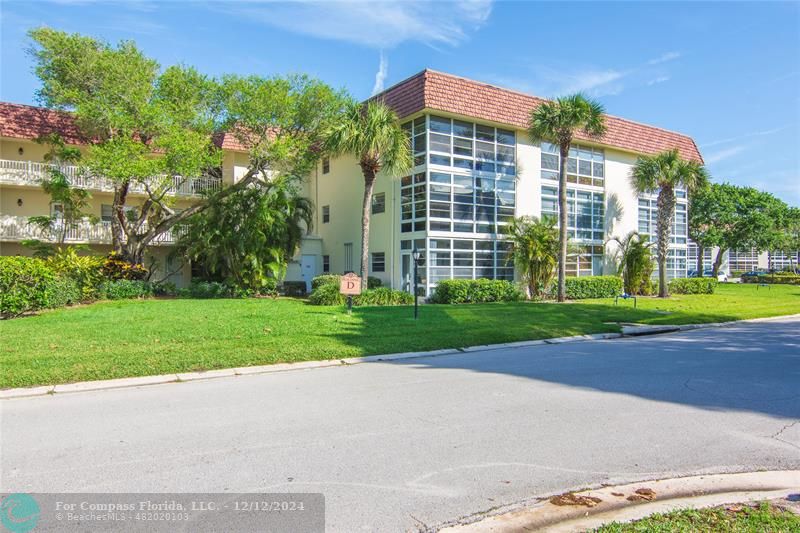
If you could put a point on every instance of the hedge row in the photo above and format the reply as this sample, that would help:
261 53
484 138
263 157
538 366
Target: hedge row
328 294
462 291
786 278
579 288
692 286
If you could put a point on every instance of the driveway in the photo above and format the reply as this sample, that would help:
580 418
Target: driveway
403 445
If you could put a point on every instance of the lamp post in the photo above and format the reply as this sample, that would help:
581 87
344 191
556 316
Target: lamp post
416 255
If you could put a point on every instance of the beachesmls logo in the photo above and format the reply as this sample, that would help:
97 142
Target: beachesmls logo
19 513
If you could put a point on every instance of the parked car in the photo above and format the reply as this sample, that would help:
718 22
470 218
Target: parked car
754 273
709 273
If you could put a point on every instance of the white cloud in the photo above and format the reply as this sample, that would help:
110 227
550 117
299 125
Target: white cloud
721 155
380 76
663 58
660 79
762 133
379 24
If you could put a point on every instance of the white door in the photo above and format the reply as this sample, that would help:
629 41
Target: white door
308 268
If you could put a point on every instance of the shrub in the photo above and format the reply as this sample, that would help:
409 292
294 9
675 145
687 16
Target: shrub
383 296
85 270
114 268
63 291
334 279
692 285
206 290
579 288
24 283
294 288
125 289
165 288
326 294
460 291
779 277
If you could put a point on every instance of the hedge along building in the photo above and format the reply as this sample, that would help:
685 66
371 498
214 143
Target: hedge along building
474 169
23 166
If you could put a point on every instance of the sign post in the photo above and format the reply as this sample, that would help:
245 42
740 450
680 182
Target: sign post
350 285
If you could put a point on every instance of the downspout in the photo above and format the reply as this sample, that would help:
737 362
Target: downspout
394 236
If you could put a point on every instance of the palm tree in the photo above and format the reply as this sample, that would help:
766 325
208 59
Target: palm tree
534 249
372 134
557 122
635 262
664 173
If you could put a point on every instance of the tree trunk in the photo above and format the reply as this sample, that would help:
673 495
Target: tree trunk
666 210
562 224
700 265
717 262
118 220
366 208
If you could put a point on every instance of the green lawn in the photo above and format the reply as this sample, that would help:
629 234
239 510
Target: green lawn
147 337
739 519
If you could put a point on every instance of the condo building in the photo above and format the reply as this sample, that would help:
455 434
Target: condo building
474 169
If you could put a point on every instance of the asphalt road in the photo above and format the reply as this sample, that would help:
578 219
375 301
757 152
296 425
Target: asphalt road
398 445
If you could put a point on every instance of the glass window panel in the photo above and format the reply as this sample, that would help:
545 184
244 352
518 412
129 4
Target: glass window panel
484 151
484 133
585 168
440 124
439 160
549 148
440 143
461 227
505 136
505 154
462 163
440 177
550 162
484 166
463 129
459 244
462 147
572 165
547 175
441 192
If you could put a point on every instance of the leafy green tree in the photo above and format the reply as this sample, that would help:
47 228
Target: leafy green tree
372 134
664 173
534 251
788 241
705 208
558 122
250 236
72 201
153 129
744 218
635 262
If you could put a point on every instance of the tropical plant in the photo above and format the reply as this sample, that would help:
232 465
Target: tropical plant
85 270
247 239
534 251
634 262
155 129
372 134
665 172
557 122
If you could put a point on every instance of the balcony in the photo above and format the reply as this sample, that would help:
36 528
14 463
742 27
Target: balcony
32 173
17 229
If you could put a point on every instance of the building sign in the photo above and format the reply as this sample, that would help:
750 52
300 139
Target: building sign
350 284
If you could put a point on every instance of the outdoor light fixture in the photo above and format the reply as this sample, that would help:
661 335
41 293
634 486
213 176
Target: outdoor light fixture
416 255
20 151
19 202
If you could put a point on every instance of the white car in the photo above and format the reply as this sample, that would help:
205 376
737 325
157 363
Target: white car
721 276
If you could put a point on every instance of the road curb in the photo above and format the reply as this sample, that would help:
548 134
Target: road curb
622 503
86 386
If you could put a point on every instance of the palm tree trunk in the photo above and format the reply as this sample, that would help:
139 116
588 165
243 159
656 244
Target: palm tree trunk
366 207
562 224
666 210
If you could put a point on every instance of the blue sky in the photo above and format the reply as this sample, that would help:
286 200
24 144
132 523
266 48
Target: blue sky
728 74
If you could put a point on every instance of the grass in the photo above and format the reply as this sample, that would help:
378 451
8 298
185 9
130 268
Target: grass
740 519
147 337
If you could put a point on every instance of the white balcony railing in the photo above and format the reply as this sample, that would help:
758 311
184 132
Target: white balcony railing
32 173
17 229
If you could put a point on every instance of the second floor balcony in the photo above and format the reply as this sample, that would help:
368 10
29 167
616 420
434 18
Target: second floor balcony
18 229
33 173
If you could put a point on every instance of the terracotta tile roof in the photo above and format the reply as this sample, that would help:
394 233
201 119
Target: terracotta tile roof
19 121
453 94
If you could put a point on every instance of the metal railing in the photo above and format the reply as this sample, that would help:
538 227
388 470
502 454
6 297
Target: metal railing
14 228
32 173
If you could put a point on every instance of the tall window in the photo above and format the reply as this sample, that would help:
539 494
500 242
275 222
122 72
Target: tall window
691 257
379 262
468 146
585 218
326 263
468 259
378 203
470 204
326 214
326 165
648 219
412 203
417 135
585 165
348 257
